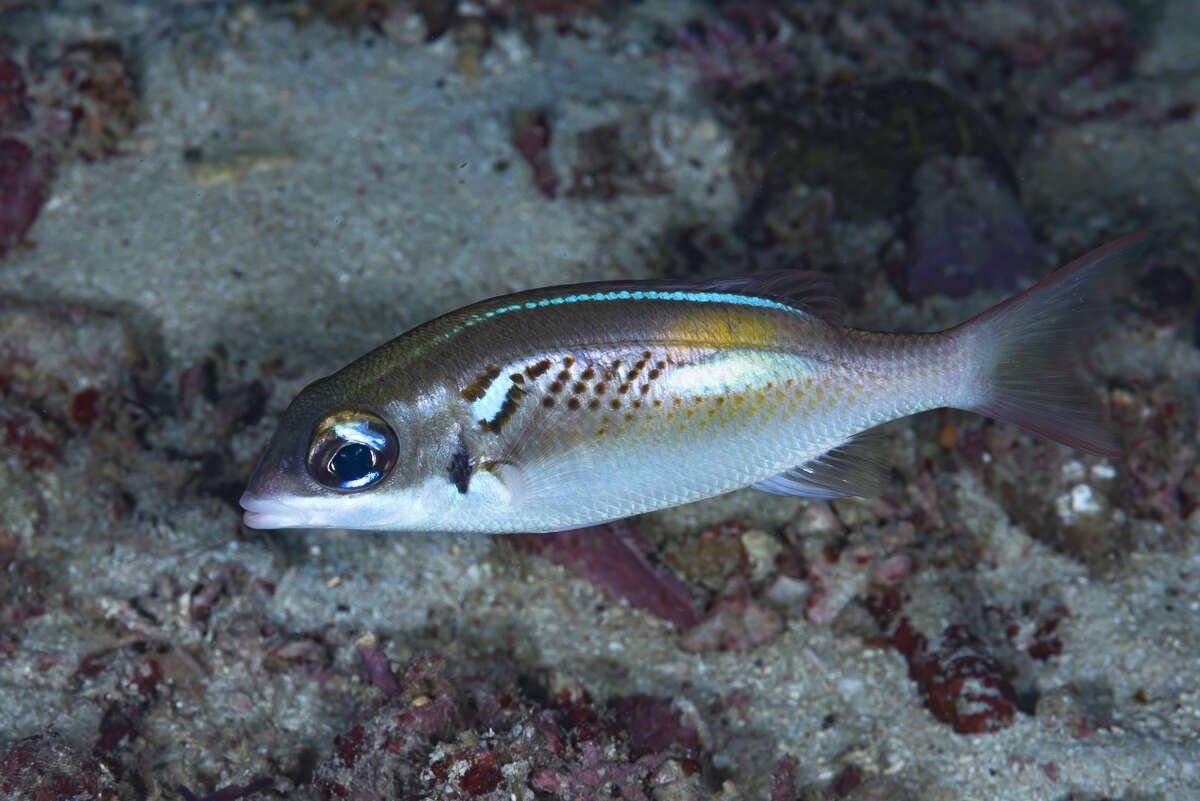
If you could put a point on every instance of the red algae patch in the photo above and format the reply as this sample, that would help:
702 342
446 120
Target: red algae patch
500 736
45 768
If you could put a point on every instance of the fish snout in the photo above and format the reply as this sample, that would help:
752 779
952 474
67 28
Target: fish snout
265 512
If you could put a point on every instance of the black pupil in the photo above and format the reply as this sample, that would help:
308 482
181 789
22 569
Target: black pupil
352 461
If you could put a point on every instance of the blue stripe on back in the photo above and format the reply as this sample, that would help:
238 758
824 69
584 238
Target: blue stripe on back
649 294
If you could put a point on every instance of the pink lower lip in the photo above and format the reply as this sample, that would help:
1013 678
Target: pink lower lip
269 513
263 520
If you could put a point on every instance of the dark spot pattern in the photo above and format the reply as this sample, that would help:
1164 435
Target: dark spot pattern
511 399
475 390
537 368
619 385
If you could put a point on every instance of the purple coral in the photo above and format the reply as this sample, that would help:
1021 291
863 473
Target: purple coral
22 189
531 138
970 231
727 59
375 663
614 558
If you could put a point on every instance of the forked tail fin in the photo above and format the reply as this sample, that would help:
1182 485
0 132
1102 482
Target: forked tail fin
1026 349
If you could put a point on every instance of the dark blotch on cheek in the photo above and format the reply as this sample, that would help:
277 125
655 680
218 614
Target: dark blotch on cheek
460 469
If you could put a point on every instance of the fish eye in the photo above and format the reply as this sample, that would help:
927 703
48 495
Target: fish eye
352 451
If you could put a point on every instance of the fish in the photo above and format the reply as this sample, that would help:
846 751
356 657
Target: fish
568 406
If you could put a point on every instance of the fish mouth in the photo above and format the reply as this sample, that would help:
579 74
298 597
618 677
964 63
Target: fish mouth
263 512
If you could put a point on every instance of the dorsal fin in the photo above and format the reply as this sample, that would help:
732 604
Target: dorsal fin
807 290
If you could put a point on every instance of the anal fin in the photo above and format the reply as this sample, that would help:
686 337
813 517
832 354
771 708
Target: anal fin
852 468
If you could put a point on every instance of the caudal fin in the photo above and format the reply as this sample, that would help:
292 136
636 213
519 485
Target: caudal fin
1027 349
